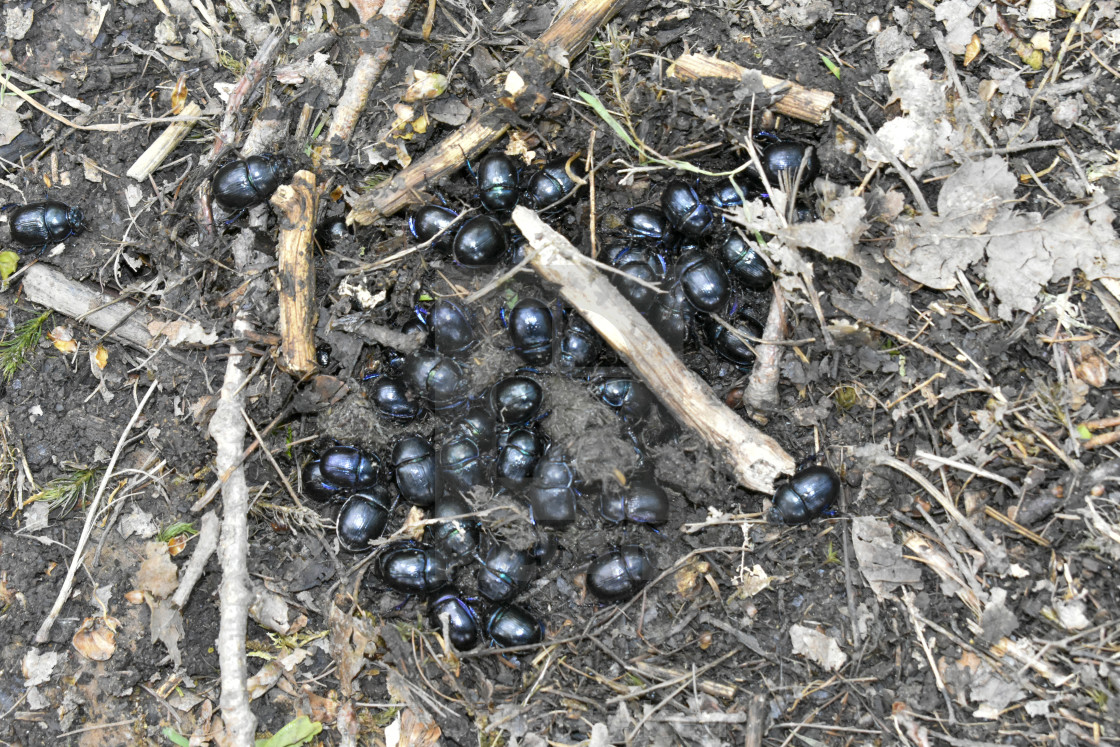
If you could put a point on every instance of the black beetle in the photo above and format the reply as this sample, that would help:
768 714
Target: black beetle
745 262
414 465
729 346
518 454
620 573
497 181
515 399
478 424
40 224
250 181
672 316
531 330
580 346
413 568
457 538
651 224
641 501
390 396
704 281
642 290
362 518
805 496
429 221
781 162
436 378
317 487
461 463
463 627
630 398
685 210
550 185
333 231
480 242
504 572
323 355
553 491
452 331
512 625
725 194
349 467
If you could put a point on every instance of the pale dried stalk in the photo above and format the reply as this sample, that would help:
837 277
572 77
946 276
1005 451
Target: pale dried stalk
762 390
297 203
158 151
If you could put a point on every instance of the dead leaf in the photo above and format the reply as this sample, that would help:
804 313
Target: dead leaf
924 132
37 668
63 339
817 646
425 86
180 332
96 638
157 575
167 627
689 577
880 558
101 357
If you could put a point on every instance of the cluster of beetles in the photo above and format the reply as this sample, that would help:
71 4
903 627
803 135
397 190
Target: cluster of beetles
680 265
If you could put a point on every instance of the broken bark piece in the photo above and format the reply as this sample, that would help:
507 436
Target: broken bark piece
807 104
755 458
157 152
51 289
527 90
297 203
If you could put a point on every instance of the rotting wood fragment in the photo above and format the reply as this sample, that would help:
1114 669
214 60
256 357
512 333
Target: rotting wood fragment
297 203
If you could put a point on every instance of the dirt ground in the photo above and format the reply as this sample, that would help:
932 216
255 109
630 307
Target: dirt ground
950 348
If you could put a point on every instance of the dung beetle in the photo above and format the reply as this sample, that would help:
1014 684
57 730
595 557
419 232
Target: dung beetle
620 573
463 627
480 242
641 291
452 331
725 194
515 399
745 263
363 518
414 465
580 345
438 379
782 160
630 398
703 279
323 355
641 501
553 491
671 315
390 397
729 346
512 625
412 568
40 224
504 573
317 487
550 185
461 464
531 330
349 467
429 221
805 496
685 210
478 424
333 231
241 184
518 455
456 538
651 225
497 182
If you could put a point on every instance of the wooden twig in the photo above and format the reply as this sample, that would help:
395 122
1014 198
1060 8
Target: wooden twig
807 104
762 390
157 152
50 288
527 91
209 530
297 203
755 458
239 98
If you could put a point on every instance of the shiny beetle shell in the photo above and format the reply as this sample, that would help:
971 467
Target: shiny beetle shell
580 346
412 568
515 399
480 242
391 398
704 281
650 224
512 625
42 223
247 182
672 316
685 210
630 398
362 518
349 467
620 573
497 182
456 538
805 496
461 464
519 455
318 488
414 466
745 263
637 291
725 194
478 424
729 346
531 331
463 626
641 501
782 160
504 573
429 221
553 491
451 330
550 185
436 378
332 232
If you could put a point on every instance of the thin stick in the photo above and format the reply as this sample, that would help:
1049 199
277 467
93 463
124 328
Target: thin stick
297 202
207 544
755 458
762 389
44 633
169 139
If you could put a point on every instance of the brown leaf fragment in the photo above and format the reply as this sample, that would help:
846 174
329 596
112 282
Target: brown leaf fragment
167 628
157 575
880 558
96 638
